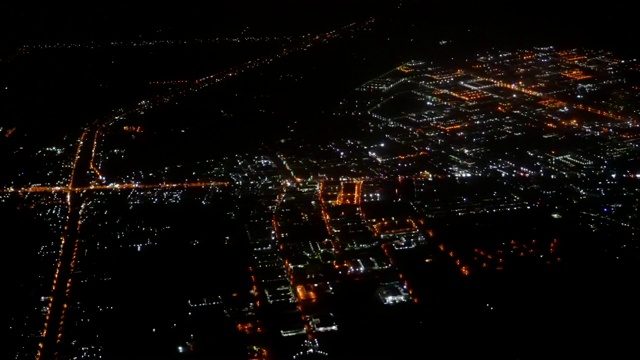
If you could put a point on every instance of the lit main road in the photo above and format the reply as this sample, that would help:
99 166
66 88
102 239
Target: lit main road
52 342
115 186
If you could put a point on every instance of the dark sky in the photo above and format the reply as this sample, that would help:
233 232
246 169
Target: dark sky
29 22
608 24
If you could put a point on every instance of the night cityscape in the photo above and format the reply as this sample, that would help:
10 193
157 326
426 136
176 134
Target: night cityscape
320 180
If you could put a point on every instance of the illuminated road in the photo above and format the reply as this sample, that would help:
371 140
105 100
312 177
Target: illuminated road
86 176
54 189
52 336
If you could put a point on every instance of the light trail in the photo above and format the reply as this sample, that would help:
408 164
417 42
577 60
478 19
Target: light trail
92 164
120 186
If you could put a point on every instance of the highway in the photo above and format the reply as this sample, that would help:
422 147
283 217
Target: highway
53 342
